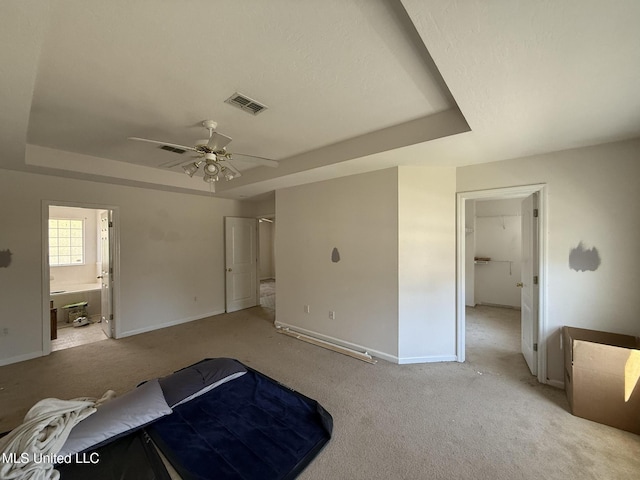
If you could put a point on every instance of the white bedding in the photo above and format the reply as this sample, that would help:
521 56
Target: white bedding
27 451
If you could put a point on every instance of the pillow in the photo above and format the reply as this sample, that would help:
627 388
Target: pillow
198 379
118 417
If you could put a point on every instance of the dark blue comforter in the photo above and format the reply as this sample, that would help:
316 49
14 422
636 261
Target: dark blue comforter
251 428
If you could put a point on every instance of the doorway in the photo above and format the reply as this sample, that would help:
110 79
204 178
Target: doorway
464 283
79 258
267 262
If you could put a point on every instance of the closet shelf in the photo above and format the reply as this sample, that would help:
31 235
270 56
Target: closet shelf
487 261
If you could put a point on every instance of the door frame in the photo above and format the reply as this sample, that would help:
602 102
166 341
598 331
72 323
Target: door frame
46 288
259 218
107 323
500 194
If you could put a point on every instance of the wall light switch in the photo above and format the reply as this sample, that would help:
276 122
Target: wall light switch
307 309
332 315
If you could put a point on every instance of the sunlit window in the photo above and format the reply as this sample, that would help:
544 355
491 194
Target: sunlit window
66 242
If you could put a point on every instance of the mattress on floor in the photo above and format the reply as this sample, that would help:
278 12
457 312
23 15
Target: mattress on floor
249 428
241 425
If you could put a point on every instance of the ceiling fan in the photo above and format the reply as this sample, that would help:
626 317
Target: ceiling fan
212 156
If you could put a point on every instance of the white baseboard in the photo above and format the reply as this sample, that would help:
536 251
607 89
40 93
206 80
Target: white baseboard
20 358
371 351
429 359
172 323
340 342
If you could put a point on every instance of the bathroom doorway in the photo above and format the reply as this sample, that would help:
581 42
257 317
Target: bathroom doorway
79 242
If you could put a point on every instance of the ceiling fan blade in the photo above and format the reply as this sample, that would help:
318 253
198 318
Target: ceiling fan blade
174 145
227 164
265 162
176 163
218 141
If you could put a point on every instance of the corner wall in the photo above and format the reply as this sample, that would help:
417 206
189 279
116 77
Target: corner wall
357 215
427 264
393 289
592 199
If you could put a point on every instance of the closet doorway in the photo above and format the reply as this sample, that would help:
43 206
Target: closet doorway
532 283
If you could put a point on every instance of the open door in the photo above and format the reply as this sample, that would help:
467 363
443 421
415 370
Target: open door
106 242
241 267
529 282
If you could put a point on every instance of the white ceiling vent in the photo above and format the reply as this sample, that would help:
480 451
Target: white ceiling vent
245 103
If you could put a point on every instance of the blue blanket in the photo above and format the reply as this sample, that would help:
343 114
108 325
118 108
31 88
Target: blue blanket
249 428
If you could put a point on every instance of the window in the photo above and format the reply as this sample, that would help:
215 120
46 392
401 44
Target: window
66 242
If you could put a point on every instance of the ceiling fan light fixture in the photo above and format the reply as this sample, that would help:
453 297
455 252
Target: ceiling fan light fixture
211 168
212 152
191 168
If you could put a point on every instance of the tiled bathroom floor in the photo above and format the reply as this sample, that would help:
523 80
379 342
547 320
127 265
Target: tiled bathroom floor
73 336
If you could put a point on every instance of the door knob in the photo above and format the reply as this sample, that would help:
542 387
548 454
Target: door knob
519 284
99 276
228 269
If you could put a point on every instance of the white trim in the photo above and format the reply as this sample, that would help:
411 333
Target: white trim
172 323
364 356
339 342
429 359
497 194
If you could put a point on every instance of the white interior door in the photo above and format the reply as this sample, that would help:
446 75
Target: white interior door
241 270
106 312
529 282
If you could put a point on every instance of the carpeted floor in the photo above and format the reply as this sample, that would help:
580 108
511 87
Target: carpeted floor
485 419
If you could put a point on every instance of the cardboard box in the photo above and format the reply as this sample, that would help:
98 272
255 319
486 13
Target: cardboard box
602 377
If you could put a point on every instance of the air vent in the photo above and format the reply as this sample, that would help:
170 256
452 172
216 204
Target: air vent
172 149
245 103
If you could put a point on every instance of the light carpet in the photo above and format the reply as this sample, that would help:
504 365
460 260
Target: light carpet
487 418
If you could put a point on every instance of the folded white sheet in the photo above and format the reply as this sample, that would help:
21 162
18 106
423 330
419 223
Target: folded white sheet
26 449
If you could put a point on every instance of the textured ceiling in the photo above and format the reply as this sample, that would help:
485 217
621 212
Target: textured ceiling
351 85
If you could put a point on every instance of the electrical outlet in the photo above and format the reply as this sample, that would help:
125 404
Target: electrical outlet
332 315
307 309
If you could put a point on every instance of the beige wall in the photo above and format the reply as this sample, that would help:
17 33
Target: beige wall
593 197
427 264
358 215
394 288
171 255
266 236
